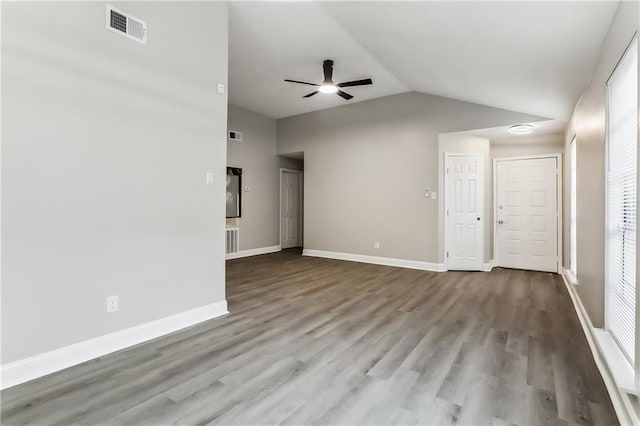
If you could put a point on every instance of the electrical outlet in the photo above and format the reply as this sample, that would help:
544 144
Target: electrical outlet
376 245
113 304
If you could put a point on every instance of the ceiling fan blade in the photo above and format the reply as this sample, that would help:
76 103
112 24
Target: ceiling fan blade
301 82
310 94
363 82
327 66
344 95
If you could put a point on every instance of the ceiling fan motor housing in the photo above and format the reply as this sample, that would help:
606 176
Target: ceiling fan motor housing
328 86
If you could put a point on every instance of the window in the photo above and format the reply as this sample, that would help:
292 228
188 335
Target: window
573 208
621 205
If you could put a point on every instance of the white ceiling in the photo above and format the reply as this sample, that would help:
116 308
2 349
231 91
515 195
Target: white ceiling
531 57
498 134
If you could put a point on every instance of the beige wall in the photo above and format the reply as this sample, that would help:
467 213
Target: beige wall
588 125
366 168
105 148
256 155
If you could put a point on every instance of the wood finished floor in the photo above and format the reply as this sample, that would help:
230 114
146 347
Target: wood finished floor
318 341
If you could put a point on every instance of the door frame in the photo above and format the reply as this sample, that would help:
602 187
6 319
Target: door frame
446 217
300 201
559 210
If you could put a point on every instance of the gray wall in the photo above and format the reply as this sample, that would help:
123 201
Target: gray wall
106 143
366 168
588 124
256 155
527 145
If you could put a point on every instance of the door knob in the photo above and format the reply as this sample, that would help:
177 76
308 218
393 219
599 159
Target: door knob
477 218
500 222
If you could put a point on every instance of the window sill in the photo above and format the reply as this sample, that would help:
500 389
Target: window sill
622 372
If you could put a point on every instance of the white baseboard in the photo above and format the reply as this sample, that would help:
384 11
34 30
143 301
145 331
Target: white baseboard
489 265
49 362
376 260
620 400
253 252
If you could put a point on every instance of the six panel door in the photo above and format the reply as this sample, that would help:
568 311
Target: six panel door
290 210
527 214
464 209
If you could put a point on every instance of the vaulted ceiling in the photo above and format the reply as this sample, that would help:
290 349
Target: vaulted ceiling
531 57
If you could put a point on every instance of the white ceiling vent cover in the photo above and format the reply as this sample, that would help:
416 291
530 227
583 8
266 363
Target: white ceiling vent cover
126 25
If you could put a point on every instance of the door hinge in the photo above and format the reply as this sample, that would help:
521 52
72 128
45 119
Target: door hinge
447 255
447 212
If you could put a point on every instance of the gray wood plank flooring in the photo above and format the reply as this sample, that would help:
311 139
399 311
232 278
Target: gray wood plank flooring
318 341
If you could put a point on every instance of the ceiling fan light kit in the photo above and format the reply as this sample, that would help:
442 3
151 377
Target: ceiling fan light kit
328 86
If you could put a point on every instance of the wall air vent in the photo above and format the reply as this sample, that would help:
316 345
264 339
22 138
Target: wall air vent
235 136
126 25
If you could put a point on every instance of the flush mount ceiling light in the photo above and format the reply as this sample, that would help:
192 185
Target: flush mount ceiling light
521 129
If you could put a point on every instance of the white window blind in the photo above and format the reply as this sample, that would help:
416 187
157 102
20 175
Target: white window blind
621 186
573 256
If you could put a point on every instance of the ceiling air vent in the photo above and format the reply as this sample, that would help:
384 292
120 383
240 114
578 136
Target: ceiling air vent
235 136
126 25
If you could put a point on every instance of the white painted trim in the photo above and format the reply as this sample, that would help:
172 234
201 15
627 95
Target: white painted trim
620 368
489 265
376 260
21 371
253 252
300 201
607 113
620 400
446 244
559 203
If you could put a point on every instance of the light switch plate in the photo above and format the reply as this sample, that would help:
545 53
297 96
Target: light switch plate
209 178
220 88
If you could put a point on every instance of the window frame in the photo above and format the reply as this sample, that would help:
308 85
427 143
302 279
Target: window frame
635 363
573 213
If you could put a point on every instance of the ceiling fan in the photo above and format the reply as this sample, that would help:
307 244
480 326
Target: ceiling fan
328 86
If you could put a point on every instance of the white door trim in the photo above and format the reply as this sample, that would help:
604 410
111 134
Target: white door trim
444 211
300 200
558 157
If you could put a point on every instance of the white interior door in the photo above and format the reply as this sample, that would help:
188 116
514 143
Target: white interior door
527 214
290 211
464 205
